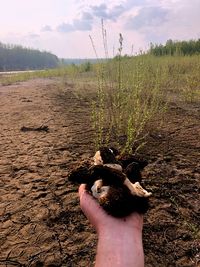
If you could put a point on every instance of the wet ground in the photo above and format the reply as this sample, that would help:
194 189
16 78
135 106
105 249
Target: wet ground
40 219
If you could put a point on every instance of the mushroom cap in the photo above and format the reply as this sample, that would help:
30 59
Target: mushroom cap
119 202
105 155
110 176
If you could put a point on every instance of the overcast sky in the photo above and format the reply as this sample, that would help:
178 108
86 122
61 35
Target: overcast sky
63 26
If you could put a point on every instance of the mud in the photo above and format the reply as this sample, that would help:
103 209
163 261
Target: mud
41 223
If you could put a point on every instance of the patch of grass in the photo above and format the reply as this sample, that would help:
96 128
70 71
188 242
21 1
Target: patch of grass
134 90
129 95
63 72
191 90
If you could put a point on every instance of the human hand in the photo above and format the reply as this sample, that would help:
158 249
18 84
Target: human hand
119 239
101 220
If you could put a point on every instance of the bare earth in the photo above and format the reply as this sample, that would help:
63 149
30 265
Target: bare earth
40 219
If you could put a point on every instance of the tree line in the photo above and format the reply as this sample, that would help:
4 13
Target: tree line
15 57
172 48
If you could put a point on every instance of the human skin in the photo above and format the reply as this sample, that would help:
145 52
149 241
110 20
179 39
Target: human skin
119 239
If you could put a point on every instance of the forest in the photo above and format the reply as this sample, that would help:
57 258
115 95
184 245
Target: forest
172 48
15 57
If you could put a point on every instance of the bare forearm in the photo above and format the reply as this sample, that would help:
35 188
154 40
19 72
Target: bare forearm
120 249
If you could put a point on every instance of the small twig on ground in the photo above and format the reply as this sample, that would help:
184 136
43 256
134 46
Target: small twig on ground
37 129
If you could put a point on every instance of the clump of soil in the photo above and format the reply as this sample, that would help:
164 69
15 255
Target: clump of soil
41 223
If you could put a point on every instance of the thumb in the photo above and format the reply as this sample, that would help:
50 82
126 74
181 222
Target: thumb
90 207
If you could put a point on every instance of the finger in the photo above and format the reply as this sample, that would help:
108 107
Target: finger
81 190
90 206
86 200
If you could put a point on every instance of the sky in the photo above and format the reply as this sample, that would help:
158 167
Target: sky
63 27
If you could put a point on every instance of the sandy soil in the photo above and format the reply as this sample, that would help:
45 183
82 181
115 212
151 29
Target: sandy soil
40 220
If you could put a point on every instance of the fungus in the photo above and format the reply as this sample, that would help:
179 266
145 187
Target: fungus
114 182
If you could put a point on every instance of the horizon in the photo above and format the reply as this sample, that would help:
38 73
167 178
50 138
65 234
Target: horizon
95 58
63 28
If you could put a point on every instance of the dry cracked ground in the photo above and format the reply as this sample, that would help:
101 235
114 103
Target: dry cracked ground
41 223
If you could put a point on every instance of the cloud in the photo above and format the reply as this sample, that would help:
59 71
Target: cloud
46 28
116 12
103 12
99 11
65 27
82 24
133 3
180 22
148 17
112 13
32 35
87 16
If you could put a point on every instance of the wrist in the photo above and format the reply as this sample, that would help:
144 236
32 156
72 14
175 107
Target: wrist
121 246
120 234
132 225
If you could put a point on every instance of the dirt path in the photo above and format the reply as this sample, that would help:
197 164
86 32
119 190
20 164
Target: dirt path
40 220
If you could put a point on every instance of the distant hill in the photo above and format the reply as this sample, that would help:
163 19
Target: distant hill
77 61
15 57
